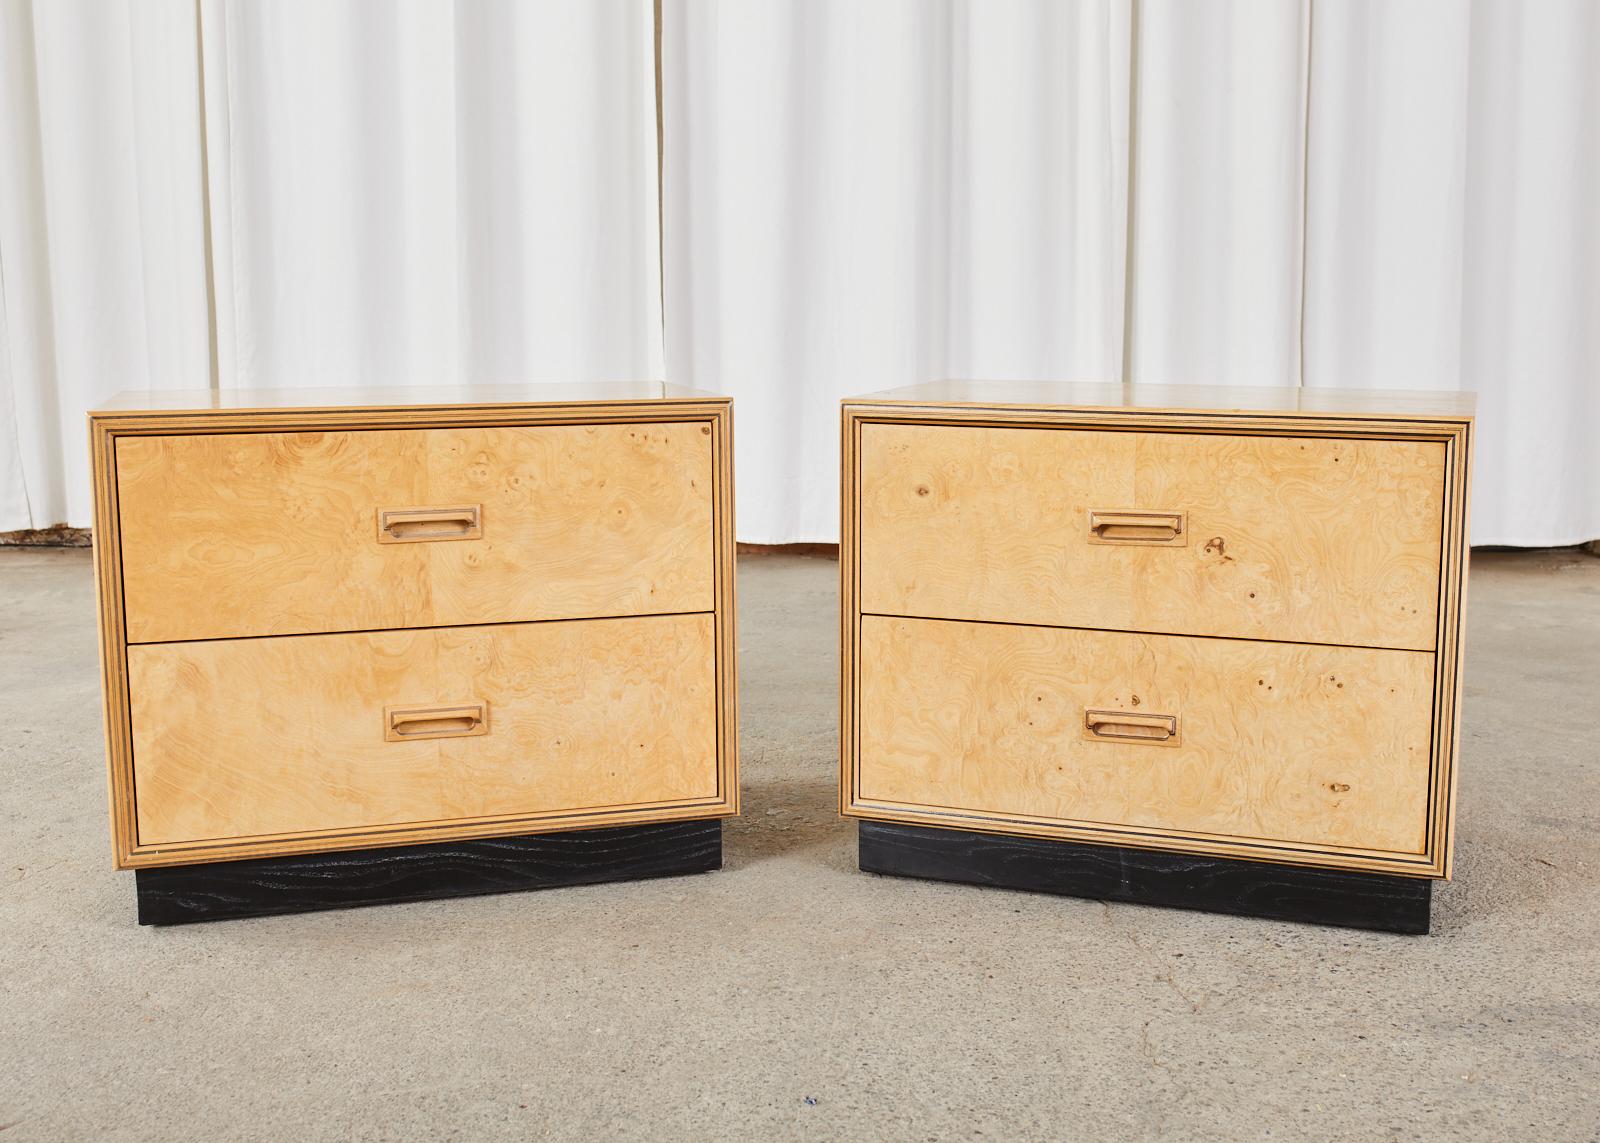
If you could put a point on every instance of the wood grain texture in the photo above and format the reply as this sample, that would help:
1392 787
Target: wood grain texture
248 534
1176 880
226 890
1322 748
240 739
1288 538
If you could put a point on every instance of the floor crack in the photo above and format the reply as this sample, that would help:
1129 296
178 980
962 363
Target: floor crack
1162 973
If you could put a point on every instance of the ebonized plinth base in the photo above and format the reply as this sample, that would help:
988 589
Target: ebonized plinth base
223 890
1148 877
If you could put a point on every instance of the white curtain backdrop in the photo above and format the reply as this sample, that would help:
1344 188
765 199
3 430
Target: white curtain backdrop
102 242
1357 194
1374 195
368 194
864 195
1453 235
1218 117
433 192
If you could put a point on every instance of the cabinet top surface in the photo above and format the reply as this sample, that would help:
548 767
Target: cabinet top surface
406 396
1288 399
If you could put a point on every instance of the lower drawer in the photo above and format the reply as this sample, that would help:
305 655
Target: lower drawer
1054 731
246 738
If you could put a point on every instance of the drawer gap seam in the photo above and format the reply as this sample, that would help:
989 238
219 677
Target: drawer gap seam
1137 631
419 627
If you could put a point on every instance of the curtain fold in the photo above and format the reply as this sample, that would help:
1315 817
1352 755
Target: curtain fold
1219 112
863 195
1531 263
433 193
102 263
372 194
1453 236
1359 194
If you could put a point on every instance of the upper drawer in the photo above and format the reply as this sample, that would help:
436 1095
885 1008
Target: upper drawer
234 534
1303 539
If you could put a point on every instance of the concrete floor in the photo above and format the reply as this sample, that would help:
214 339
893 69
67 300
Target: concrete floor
791 996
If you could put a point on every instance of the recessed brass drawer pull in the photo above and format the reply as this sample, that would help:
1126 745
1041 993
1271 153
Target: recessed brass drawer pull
1110 526
419 525
1125 726
404 723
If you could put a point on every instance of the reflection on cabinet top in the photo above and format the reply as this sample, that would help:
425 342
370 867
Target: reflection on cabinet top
1376 403
396 396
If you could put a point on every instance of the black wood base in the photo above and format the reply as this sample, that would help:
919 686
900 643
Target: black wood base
1149 877
224 890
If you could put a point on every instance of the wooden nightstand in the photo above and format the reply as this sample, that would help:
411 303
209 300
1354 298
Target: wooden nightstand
378 646
1180 645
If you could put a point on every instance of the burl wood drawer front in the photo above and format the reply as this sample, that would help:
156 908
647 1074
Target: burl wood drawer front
261 737
1169 736
233 534
1269 537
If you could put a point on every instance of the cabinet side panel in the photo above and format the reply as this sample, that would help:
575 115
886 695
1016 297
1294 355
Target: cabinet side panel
849 603
1452 638
106 539
725 563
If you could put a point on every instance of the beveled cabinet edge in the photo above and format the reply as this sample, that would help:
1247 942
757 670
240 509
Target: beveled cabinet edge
849 614
727 610
1448 672
105 538
1436 859
107 425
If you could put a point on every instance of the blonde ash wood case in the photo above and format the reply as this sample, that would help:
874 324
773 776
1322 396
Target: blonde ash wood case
339 622
1212 623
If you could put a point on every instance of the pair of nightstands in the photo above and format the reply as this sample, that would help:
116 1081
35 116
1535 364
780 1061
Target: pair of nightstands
1181 646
